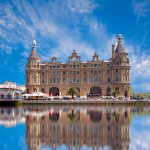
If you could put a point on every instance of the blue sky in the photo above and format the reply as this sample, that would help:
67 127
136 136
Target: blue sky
13 138
59 26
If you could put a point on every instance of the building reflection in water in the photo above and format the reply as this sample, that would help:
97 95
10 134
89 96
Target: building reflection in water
10 117
94 128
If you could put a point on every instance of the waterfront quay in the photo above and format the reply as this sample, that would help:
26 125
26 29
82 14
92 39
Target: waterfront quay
75 102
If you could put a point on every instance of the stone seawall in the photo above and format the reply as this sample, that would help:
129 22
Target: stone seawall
75 102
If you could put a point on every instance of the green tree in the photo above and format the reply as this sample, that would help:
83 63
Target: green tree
131 92
140 96
73 91
114 92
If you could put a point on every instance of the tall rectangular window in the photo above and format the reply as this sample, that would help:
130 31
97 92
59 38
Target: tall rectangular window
91 79
84 79
117 78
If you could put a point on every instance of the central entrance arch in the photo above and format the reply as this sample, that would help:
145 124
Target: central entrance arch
96 90
54 91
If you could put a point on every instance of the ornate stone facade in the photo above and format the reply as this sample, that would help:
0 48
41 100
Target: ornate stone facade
91 77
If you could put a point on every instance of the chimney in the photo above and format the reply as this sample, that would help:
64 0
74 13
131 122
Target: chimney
113 50
54 59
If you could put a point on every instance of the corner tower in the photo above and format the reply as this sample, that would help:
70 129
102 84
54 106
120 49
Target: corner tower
121 71
33 70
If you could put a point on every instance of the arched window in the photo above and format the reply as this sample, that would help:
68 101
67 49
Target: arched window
54 91
43 90
34 90
126 78
95 90
34 78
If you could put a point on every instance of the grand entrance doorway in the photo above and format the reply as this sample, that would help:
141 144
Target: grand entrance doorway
95 91
54 91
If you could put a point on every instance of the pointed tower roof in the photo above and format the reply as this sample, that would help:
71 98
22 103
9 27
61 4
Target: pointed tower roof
120 48
34 51
95 55
74 54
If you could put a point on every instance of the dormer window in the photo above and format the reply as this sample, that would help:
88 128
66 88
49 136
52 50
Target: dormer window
54 59
95 57
74 57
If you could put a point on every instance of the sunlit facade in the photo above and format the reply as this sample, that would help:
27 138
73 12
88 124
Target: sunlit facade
10 90
92 77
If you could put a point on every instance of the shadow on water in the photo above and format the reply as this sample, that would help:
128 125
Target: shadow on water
72 127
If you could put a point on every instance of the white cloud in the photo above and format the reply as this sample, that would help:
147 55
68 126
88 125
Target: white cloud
25 54
81 6
141 8
49 24
140 70
44 25
141 65
2 21
5 49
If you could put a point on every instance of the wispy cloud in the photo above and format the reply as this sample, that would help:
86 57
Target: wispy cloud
31 23
60 27
140 63
81 6
141 8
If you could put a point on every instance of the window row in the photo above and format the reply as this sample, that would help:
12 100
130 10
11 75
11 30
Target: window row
72 66
74 80
94 72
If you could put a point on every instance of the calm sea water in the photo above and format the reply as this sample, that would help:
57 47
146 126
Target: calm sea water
73 128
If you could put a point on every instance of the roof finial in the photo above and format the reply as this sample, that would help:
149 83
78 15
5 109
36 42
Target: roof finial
34 43
119 38
34 52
